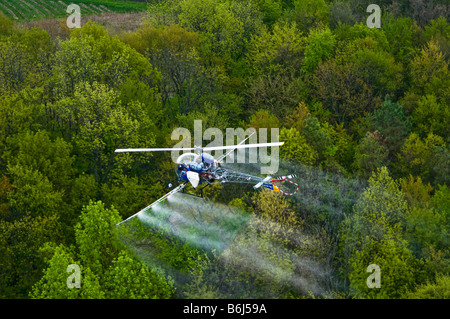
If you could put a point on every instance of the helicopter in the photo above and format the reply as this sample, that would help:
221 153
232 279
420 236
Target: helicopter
202 168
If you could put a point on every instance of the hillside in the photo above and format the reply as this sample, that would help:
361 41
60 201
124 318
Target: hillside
21 10
352 202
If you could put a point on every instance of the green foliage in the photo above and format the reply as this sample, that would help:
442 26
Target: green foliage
372 234
430 116
340 13
392 124
278 93
271 9
359 32
14 65
320 44
20 241
224 26
100 124
441 200
96 236
6 25
342 140
439 30
312 69
370 154
429 72
132 279
32 193
91 55
275 218
53 284
122 276
296 147
310 13
426 227
127 194
400 36
399 269
432 290
319 138
83 189
37 151
350 86
277 50
383 197
416 192
416 155
264 119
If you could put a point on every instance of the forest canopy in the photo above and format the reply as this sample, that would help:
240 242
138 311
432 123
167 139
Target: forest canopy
364 114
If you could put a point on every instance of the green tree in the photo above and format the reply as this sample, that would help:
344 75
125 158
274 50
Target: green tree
432 290
271 10
431 116
98 124
374 231
83 189
393 125
264 119
278 50
342 91
20 241
341 13
310 13
53 284
224 26
439 30
429 72
359 32
175 52
319 138
400 36
278 93
7 25
96 237
37 151
5 187
275 217
383 198
426 227
14 66
417 193
127 194
16 116
128 278
296 147
417 155
32 192
344 143
320 43
370 154
399 269
91 55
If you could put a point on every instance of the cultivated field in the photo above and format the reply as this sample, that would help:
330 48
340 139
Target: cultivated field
41 9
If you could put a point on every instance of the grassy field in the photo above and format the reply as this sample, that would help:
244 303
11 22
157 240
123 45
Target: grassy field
23 10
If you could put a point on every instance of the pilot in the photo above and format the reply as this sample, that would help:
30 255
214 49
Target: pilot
196 167
181 171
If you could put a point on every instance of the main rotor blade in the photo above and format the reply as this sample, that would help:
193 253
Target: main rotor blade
228 147
232 150
125 150
212 148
